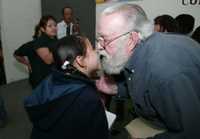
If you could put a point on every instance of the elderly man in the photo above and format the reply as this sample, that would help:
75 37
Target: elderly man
161 71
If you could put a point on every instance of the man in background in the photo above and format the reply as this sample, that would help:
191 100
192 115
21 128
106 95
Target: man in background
69 25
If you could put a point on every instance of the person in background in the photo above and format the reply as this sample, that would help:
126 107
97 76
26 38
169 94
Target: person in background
66 105
196 34
2 71
161 70
165 23
185 23
3 113
69 25
37 54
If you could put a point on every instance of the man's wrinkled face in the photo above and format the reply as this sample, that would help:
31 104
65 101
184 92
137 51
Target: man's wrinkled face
111 48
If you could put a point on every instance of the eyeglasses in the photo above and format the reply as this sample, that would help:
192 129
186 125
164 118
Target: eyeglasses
100 40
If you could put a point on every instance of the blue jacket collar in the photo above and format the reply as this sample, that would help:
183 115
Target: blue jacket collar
56 85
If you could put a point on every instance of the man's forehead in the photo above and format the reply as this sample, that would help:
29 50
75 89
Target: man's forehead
110 24
67 10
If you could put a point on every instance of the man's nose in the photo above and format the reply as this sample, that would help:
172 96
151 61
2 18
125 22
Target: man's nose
99 46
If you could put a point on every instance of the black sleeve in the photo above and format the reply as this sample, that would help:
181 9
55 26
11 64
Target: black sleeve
177 102
43 42
23 50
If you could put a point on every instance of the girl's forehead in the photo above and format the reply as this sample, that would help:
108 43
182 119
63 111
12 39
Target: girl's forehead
88 43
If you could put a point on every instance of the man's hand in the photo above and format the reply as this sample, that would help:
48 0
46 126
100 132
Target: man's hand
107 85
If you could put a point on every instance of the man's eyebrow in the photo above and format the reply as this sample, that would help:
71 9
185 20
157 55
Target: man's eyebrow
102 35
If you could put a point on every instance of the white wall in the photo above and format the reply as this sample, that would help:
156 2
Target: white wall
153 8
18 18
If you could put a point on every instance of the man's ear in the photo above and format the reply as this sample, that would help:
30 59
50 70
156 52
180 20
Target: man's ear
80 61
133 40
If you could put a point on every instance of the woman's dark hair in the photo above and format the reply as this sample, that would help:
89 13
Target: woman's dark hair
37 32
185 23
67 49
44 20
196 34
167 23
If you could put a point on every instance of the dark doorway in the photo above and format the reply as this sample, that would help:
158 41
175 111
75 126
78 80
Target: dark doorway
84 10
2 71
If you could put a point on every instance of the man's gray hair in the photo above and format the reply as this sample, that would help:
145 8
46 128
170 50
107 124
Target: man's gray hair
134 16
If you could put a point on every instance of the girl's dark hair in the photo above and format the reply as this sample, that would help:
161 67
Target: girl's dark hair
44 20
167 23
67 49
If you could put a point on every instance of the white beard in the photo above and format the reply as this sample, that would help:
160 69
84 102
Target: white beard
113 64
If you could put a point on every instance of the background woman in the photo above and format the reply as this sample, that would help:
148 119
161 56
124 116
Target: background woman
37 54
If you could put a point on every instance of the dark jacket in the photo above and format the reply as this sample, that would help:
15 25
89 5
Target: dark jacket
40 69
66 107
163 79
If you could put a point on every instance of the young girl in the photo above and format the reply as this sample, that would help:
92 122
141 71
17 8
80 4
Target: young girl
66 105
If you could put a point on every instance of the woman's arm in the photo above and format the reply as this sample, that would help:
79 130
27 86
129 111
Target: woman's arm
45 55
23 60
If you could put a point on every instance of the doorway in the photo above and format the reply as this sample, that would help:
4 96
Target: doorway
2 70
83 11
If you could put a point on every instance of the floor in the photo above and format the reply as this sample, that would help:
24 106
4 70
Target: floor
18 125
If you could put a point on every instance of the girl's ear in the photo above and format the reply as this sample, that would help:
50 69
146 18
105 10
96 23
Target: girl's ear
80 61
